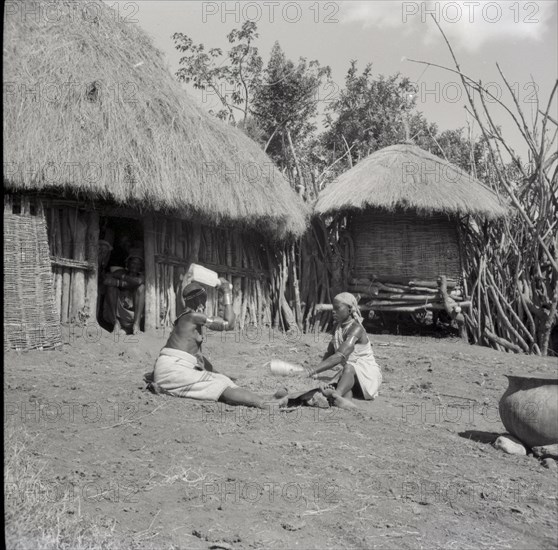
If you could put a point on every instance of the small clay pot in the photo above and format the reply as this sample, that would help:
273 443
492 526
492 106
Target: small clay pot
529 409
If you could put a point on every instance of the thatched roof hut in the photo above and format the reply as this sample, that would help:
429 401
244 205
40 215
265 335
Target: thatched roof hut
402 206
407 177
91 109
95 129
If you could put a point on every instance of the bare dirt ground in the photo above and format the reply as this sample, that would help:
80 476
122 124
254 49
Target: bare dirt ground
413 470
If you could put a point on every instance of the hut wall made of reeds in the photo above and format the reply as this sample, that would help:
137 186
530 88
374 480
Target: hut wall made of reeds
30 314
170 246
404 245
238 256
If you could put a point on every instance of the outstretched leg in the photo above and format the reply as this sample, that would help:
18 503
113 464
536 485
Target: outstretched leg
241 396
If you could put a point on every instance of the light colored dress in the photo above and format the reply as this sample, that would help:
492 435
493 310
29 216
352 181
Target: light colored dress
178 373
368 372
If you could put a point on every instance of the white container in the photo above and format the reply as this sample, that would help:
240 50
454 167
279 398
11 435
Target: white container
202 275
283 368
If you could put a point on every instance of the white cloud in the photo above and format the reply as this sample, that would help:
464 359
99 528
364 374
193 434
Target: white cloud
468 24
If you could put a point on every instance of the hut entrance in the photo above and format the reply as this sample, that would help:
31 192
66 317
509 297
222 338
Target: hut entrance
118 237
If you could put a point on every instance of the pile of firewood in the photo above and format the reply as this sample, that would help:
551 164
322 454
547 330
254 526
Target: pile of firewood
409 296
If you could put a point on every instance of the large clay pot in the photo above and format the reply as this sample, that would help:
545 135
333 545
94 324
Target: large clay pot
529 409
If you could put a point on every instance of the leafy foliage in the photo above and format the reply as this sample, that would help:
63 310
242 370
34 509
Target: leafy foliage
239 72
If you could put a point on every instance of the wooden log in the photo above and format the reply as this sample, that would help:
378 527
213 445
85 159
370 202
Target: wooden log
229 251
243 304
409 297
294 280
501 341
208 239
177 238
237 295
77 300
92 282
66 273
402 282
288 314
172 296
151 294
450 304
450 283
505 321
253 305
195 242
260 302
219 268
510 309
394 307
179 270
159 294
377 302
57 246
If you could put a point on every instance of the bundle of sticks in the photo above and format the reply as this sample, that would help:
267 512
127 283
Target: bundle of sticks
410 295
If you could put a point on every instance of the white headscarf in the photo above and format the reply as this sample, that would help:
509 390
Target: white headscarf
349 300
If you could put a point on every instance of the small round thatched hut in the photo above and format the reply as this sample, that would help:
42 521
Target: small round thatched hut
98 133
402 206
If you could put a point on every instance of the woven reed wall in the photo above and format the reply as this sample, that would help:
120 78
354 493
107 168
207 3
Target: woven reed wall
30 317
236 256
404 245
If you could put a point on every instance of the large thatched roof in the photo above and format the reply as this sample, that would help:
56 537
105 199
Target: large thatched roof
91 109
406 176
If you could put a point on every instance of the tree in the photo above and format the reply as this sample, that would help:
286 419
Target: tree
285 107
239 72
368 114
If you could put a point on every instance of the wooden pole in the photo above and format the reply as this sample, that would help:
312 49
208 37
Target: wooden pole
298 309
66 273
149 235
92 257
237 295
77 302
195 242
57 238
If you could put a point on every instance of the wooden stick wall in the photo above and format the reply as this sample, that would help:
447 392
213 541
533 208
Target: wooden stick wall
238 257
261 296
73 236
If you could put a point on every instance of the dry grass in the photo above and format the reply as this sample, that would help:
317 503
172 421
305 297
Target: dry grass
34 519
124 130
405 176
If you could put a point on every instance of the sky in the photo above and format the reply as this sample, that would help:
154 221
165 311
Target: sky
521 36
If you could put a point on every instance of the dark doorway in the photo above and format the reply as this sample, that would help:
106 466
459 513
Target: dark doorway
121 235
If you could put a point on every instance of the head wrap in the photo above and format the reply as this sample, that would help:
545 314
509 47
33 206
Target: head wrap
193 291
135 253
351 302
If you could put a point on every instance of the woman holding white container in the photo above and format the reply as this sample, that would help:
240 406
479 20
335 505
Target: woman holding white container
181 369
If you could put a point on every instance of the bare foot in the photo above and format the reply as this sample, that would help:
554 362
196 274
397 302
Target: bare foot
337 399
117 329
136 329
279 394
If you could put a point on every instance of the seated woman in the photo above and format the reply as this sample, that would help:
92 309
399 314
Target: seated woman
361 375
183 371
125 295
